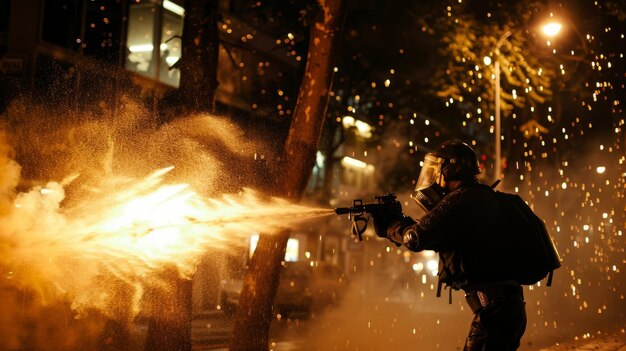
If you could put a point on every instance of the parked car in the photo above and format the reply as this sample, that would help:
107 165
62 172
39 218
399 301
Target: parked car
308 288
230 293
304 287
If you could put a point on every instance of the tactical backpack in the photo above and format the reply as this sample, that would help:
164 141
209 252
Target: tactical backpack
533 255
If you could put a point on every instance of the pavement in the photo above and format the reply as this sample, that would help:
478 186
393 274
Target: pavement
211 331
611 342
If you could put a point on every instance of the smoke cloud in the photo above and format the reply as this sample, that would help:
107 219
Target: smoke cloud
102 203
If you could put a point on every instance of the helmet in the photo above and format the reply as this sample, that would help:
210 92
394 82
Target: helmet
452 160
459 161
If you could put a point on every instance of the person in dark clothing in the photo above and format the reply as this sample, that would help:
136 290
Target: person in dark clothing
460 224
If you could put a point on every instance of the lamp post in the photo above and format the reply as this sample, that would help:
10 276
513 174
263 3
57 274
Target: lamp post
498 156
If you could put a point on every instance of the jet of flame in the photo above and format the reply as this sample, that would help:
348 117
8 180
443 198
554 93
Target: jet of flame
130 230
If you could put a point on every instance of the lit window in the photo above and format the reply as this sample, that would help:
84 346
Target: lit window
291 253
152 26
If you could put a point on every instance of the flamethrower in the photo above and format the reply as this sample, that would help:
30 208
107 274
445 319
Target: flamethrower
385 206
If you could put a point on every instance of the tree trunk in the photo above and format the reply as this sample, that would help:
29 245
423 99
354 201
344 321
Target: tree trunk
198 65
169 326
252 324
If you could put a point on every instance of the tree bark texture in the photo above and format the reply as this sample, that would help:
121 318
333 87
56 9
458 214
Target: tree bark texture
308 119
169 327
252 324
169 301
200 47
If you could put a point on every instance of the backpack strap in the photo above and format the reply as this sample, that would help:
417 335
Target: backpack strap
549 283
440 282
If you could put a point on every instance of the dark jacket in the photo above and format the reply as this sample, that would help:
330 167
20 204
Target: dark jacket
462 229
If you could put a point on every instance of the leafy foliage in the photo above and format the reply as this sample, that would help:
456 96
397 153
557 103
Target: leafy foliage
469 35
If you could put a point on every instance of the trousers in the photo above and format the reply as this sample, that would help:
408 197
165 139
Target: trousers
499 319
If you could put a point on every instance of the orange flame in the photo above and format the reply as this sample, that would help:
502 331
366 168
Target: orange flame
131 230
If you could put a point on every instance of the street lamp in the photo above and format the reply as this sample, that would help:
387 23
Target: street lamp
553 28
550 29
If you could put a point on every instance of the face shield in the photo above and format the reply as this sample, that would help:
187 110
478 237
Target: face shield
428 191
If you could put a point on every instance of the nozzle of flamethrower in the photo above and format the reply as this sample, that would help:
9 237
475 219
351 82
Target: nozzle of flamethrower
385 205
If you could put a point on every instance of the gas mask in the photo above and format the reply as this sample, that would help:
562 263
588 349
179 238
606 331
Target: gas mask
428 191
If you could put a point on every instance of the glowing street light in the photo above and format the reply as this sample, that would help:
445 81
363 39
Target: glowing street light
551 29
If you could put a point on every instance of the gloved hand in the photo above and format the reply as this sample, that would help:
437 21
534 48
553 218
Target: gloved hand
381 225
382 222
395 232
